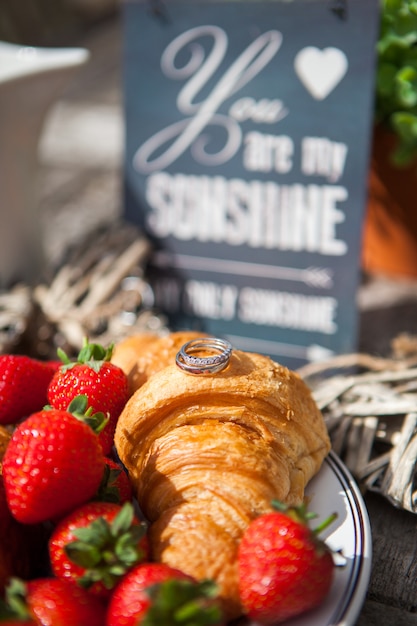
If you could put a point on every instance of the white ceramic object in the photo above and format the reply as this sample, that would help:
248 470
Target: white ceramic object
31 80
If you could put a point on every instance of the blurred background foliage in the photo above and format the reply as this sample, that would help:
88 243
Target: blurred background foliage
396 78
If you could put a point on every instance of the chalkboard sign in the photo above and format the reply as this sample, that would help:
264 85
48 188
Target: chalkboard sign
248 130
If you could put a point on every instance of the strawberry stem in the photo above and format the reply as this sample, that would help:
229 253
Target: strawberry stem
297 513
63 357
183 603
14 605
78 407
106 551
91 354
94 352
325 523
302 515
108 490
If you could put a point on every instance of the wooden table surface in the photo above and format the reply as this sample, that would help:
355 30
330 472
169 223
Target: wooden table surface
392 594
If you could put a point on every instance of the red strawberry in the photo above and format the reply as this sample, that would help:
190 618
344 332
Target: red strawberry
53 463
115 485
284 569
104 383
53 602
22 551
97 544
23 386
158 594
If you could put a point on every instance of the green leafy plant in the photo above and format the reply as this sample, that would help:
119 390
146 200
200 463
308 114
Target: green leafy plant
396 78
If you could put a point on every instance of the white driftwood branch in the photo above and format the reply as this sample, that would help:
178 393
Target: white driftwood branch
372 419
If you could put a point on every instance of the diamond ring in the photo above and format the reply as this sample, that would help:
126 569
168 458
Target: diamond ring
207 364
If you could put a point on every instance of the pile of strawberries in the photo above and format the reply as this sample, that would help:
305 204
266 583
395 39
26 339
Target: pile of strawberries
60 475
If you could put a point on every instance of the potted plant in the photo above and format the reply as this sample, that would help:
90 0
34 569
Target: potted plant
390 233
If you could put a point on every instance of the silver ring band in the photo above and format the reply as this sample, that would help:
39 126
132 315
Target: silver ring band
191 364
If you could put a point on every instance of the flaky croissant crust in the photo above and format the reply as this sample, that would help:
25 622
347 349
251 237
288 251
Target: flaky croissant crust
268 403
208 453
141 356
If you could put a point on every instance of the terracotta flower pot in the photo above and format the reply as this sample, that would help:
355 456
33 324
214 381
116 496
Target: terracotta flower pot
390 229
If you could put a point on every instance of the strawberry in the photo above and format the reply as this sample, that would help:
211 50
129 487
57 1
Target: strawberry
284 568
24 383
156 594
22 551
52 602
53 463
104 383
115 485
97 544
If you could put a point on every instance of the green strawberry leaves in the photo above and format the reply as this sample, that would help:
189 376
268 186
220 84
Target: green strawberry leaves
79 408
396 77
14 604
299 514
94 352
106 551
91 354
302 515
183 603
108 490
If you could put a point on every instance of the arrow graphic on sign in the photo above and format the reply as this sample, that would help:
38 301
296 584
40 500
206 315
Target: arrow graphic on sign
313 276
312 353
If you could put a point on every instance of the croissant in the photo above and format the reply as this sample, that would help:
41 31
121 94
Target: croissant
141 355
207 454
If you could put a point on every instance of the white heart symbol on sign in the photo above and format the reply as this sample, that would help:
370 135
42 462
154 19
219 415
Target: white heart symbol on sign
320 70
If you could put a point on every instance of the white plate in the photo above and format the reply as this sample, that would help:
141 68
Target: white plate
333 489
